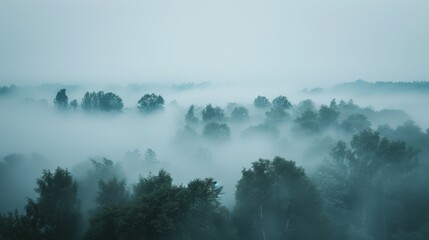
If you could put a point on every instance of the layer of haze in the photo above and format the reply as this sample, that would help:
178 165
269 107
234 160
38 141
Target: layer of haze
289 42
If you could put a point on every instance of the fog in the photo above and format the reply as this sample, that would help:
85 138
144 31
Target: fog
201 119
289 42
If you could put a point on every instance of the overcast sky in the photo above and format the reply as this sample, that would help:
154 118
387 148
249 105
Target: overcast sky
302 41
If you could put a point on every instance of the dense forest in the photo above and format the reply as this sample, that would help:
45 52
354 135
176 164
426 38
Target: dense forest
336 171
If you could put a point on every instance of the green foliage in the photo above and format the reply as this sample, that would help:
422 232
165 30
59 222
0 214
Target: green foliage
305 105
6 90
309 120
61 100
150 156
73 104
217 131
276 200
190 116
261 102
328 116
240 114
150 103
358 184
281 102
161 210
213 114
112 193
100 101
103 170
276 116
356 123
16 226
55 214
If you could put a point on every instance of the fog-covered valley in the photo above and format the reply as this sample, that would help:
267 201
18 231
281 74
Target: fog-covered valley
192 133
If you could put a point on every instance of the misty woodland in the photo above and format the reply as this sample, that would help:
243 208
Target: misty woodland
334 170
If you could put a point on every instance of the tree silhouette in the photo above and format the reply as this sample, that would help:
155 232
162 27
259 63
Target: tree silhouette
61 100
150 103
261 102
276 200
55 214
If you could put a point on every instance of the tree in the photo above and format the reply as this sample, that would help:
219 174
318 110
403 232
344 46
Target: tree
305 105
212 114
240 114
355 123
190 115
359 185
217 131
276 116
100 101
327 116
73 104
110 102
55 214
161 210
61 101
261 102
281 102
112 193
96 170
150 103
150 156
309 121
276 200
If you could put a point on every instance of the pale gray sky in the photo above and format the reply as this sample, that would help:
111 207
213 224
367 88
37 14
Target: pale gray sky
293 42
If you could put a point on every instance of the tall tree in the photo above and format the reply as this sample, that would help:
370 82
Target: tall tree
190 115
357 184
150 103
101 101
276 200
261 102
55 214
281 102
213 114
61 100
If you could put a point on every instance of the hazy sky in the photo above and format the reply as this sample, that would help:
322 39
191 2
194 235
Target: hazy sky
301 41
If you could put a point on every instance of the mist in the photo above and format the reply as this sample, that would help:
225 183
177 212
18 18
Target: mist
214 120
287 42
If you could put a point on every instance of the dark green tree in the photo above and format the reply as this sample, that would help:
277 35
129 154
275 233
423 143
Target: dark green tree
161 210
281 102
276 200
212 114
240 114
328 116
112 193
100 101
276 116
150 103
309 121
61 100
55 214
190 116
150 156
217 131
73 104
305 105
261 102
360 182
356 123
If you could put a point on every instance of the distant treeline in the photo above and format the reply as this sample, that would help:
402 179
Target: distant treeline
5 89
364 87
